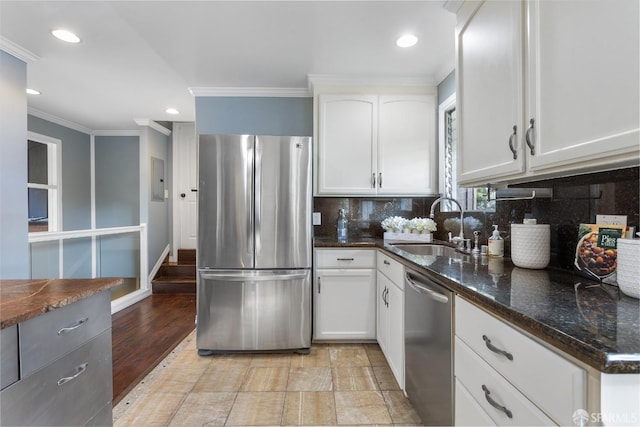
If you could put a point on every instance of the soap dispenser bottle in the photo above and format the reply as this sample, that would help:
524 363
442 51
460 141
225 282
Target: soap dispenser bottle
342 226
496 243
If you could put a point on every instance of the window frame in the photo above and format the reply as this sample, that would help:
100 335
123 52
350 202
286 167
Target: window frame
54 179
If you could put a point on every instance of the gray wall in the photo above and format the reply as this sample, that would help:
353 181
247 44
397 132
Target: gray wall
254 115
447 87
76 172
159 224
117 181
14 249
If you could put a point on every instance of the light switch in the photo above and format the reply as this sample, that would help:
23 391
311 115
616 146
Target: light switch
166 194
317 218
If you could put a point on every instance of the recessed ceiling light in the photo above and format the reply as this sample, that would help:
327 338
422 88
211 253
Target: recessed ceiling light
172 111
406 40
66 36
33 92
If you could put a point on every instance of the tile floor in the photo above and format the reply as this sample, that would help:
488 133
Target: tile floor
336 384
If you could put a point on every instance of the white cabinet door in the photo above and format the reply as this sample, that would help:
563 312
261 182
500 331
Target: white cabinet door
583 89
347 131
345 304
395 349
382 321
490 91
406 145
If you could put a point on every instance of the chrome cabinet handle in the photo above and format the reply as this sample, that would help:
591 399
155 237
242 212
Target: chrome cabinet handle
344 259
527 137
319 285
494 403
386 262
72 327
380 180
79 370
511 138
385 296
496 349
373 178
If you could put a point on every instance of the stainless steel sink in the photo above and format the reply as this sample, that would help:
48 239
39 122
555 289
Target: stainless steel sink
427 249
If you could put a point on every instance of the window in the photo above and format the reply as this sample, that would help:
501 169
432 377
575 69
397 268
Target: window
471 199
43 186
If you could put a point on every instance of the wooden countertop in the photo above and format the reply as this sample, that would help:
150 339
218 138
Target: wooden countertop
21 300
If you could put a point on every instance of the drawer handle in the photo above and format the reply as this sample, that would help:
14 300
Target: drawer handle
527 137
386 262
344 259
79 370
496 349
72 327
494 403
511 138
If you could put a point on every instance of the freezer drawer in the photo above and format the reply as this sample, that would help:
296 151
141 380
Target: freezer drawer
253 310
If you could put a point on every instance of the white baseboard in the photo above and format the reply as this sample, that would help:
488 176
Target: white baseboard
156 267
129 299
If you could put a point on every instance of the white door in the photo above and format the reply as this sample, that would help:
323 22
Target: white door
186 187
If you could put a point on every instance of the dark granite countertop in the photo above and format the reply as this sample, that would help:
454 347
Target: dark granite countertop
595 323
21 300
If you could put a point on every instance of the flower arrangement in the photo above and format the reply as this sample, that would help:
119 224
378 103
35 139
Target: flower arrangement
422 225
394 224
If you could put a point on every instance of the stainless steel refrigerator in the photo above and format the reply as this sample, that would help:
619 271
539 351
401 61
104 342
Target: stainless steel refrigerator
254 243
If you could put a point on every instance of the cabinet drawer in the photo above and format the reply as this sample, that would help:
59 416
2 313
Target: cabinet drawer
61 331
9 368
553 383
391 268
491 391
468 411
45 398
345 258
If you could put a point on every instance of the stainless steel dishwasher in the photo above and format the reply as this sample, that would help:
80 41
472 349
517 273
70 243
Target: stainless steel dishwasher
428 348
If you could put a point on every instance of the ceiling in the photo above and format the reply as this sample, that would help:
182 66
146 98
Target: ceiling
137 58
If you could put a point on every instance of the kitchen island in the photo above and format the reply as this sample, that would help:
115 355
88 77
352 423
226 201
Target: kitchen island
56 346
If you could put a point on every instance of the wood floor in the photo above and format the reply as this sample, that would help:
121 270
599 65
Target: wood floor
144 333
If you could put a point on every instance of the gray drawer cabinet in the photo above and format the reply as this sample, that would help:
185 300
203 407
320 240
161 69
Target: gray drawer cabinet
9 356
69 392
65 367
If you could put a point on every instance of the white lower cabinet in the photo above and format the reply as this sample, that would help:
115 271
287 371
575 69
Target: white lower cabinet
516 380
390 331
344 297
468 412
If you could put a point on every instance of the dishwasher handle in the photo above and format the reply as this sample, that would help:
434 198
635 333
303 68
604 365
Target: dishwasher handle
424 289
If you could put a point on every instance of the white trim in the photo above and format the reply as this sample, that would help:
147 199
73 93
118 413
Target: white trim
92 171
158 264
445 105
42 138
129 299
18 51
57 120
74 234
316 80
153 125
116 133
276 92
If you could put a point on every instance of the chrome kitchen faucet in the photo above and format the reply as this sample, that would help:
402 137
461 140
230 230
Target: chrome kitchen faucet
463 244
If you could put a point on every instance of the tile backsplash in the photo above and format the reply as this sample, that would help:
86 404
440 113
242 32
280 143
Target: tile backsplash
577 199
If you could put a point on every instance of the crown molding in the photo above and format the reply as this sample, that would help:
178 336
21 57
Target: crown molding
452 5
274 92
318 80
17 50
116 133
153 125
59 121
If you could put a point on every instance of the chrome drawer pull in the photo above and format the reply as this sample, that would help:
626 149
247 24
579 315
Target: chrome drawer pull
496 349
344 259
386 262
511 138
79 370
71 328
527 137
494 403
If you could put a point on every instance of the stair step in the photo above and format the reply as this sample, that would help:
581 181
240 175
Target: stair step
174 287
177 270
187 256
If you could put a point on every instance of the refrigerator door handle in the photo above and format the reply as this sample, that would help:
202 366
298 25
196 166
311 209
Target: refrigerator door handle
252 277
257 197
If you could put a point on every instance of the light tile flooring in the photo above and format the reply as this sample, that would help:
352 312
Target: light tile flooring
336 384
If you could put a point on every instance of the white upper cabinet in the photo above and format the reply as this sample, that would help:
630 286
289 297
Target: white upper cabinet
376 145
584 92
490 91
565 74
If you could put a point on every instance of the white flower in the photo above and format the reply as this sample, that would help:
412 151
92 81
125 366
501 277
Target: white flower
394 224
422 224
